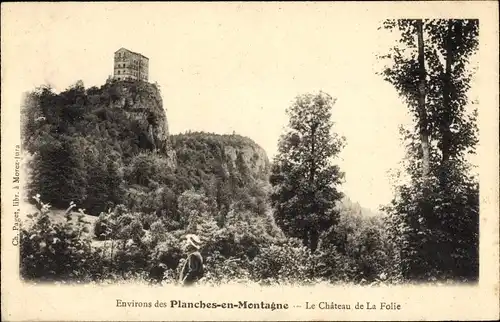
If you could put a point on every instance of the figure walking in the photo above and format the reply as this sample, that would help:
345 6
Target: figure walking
192 270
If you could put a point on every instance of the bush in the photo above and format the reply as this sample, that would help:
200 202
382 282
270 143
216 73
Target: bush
221 270
289 261
146 167
131 258
147 219
358 249
333 266
56 251
193 206
104 227
168 251
120 224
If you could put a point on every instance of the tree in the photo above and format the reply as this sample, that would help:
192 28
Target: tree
303 177
436 213
58 173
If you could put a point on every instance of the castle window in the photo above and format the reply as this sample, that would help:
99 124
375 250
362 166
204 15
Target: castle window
118 72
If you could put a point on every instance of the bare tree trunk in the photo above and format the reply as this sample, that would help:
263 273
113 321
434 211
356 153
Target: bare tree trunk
418 265
446 113
424 133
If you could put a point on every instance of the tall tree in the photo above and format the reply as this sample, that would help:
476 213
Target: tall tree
58 171
304 179
436 213
422 112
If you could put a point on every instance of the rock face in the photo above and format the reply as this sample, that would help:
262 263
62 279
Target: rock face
252 155
213 152
143 106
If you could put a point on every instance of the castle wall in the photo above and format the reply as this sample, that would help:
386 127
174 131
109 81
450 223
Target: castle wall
130 65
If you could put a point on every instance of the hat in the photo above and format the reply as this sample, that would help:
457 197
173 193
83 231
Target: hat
193 240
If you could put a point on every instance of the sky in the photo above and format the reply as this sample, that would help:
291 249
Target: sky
231 67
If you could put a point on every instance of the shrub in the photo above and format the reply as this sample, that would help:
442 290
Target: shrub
220 270
147 219
357 249
169 251
131 258
56 251
148 167
120 224
333 266
158 231
289 261
104 226
192 206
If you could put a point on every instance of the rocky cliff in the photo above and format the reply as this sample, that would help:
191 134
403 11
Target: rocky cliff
252 155
230 169
84 142
221 154
105 146
142 104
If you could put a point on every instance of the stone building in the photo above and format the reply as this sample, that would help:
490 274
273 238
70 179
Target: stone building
130 65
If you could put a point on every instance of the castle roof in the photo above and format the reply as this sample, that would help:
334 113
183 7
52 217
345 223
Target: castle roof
133 52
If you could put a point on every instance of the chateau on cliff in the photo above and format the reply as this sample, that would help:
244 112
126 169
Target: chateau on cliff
130 65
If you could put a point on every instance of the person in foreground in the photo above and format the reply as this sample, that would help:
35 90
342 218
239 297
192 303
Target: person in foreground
192 271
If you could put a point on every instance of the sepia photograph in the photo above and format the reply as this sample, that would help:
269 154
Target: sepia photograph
180 148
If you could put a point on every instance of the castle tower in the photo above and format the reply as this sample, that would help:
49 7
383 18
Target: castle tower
130 65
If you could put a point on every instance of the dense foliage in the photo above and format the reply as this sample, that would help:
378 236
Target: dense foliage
83 140
102 147
436 212
229 168
248 247
55 251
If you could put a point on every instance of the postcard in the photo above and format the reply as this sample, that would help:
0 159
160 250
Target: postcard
250 161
